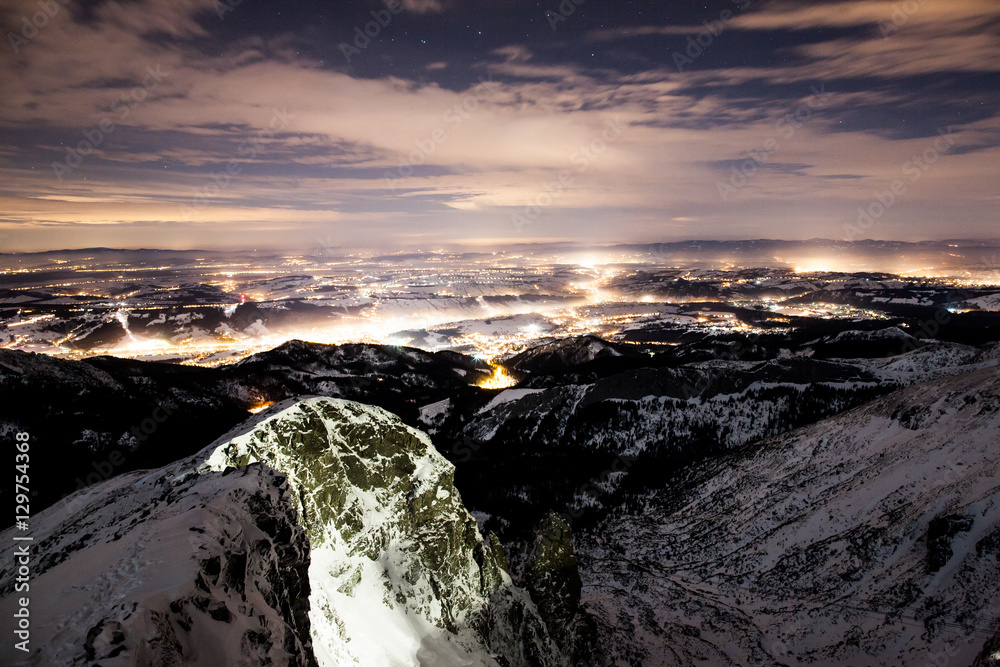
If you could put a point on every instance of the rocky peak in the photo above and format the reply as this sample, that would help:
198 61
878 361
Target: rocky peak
387 527
322 532
552 575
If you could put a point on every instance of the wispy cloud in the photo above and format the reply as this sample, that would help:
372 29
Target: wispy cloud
798 16
388 152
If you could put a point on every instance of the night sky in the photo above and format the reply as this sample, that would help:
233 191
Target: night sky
437 123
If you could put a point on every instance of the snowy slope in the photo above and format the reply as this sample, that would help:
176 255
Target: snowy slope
988 302
872 538
157 569
563 354
321 530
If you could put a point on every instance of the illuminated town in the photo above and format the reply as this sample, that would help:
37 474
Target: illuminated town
217 310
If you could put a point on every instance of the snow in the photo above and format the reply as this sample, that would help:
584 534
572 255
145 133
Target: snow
831 520
433 412
380 632
889 333
257 328
113 568
936 359
988 302
508 396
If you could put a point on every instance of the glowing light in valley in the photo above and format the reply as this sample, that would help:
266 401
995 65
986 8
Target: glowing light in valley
815 266
500 379
33 320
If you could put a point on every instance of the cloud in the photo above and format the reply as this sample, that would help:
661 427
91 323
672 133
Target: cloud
516 64
796 16
801 16
375 155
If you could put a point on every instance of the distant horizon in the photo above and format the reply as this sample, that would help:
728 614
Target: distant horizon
967 259
216 307
472 248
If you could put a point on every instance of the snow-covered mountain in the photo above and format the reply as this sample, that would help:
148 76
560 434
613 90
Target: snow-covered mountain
871 538
603 434
562 355
719 522
321 532
610 427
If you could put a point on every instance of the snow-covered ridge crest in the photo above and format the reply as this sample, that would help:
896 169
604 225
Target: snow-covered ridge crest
318 442
400 573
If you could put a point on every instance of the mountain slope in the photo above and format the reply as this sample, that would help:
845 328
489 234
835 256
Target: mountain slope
322 531
562 356
871 538
653 419
157 569
104 416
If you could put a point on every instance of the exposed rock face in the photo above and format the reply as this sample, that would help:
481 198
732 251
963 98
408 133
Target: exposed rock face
396 558
325 532
553 579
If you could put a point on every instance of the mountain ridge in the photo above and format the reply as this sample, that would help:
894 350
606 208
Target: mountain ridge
867 538
318 499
